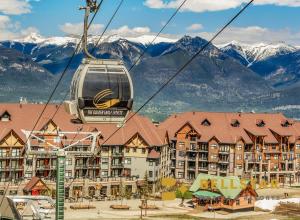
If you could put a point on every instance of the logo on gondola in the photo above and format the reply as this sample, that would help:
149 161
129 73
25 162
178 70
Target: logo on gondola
99 104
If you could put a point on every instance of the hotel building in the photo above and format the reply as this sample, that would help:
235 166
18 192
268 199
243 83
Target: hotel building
265 146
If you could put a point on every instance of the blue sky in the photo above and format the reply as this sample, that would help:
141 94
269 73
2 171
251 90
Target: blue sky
267 20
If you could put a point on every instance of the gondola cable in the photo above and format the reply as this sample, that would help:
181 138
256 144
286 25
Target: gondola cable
184 66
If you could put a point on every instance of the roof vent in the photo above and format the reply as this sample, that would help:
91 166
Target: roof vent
235 123
260 123
205 122
5 116
286 123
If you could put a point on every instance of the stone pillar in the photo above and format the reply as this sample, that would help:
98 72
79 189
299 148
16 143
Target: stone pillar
286 165
108 189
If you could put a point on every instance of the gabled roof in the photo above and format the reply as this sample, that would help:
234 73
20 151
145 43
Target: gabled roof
230 187
32 183
222 129
24 117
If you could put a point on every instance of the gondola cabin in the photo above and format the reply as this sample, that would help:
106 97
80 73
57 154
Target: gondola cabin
101 92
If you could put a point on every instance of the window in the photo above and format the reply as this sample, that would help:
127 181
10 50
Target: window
213 146
239 166
28 175
2 152
276 156
150 163
298 146
249 200
134 150
298 156
127 149
13 192
180 174
239 147
213 166
15 152
239 157
237 202
214 156
68 173
181 163
259 157
181 153
104 148
181 144
273 147
128 161
104 173
150 174
143 151
69 161
193 138
104 161
268 157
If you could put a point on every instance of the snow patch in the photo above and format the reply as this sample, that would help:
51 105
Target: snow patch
272 204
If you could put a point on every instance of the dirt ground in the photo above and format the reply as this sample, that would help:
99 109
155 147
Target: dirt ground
171 210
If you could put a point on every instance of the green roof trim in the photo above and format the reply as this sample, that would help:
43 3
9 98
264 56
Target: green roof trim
206 194
230 186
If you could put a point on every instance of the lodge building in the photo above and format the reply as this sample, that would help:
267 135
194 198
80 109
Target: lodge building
265 146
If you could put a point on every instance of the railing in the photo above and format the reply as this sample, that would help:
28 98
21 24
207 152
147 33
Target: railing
117 165
203 158
224 152
117 154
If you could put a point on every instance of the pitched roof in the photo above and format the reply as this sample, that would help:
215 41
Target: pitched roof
32 183
24 117
221 126
229 186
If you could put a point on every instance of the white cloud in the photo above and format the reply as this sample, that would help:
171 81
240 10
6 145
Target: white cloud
14 7
215 5
77 28
254 34
10 30
194 27
125 31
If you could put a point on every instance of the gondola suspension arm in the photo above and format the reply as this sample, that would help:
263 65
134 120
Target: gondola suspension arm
91 7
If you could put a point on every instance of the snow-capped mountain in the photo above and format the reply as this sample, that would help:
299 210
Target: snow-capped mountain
250 54
234 75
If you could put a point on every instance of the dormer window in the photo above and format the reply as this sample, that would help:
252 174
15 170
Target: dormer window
5 116
235 123
260 123
286 123
205 122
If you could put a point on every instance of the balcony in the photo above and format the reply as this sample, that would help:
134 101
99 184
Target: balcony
191 158
117 154
203 159
226 161
203 149
224 152
81 166
191 168
117 166
203 168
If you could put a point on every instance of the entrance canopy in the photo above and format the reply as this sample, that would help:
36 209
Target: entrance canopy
206 195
